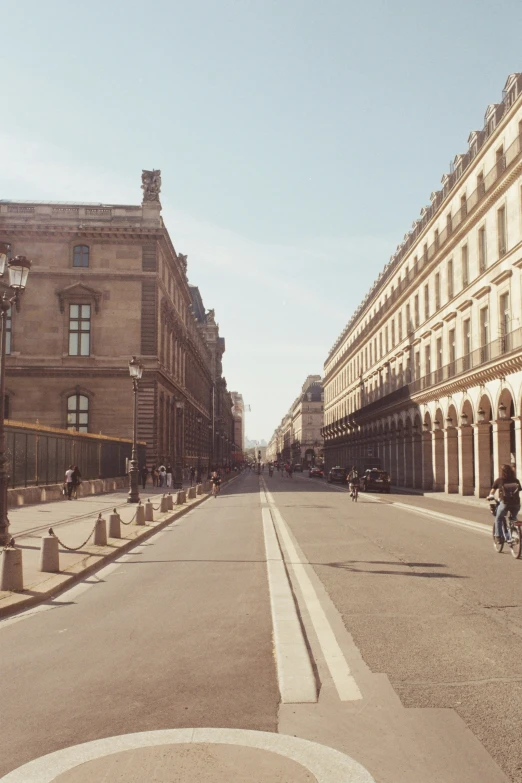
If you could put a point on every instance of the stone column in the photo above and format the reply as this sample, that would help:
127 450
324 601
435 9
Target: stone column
408 459
400 460
427 460
466 466
518 444
483 458
393 458
417 460
438 460
451 460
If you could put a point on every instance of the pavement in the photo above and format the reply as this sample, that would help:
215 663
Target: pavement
73 523
173 662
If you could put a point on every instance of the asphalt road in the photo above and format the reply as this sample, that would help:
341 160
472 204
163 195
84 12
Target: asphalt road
179 634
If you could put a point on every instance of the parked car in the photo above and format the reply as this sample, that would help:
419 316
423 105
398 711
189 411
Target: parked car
377 480
315 473
338 475
298 466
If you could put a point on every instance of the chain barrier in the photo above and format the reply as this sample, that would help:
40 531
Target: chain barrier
131 520
74 548
156 508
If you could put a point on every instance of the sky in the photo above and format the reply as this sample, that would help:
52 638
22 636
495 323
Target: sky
298 141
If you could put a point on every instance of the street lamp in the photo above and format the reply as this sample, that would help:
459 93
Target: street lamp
18 271
135 371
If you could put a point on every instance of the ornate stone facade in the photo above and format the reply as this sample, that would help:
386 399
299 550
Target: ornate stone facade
298 439
426 378
106 284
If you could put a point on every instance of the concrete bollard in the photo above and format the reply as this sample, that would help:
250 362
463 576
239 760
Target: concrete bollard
49 555
192 493
140 515
12 575
180 498
170 502
164 505
100 532
199 489
114 525
149 512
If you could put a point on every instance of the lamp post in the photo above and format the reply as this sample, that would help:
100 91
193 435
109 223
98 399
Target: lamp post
136 371
198 422
18 270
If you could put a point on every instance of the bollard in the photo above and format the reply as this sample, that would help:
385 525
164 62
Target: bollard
149 512
180 498
114 525
140 515
164 505
192 493
198 489
170 502
12 576
49 556
100 532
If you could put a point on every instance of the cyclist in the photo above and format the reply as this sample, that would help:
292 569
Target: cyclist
508 488
353 480
216 483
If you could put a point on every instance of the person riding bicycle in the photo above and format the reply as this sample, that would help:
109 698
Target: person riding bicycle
353 480
508 488
215 481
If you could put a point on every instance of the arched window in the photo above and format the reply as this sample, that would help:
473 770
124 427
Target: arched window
81 255
78 413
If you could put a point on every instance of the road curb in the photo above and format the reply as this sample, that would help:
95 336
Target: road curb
93 562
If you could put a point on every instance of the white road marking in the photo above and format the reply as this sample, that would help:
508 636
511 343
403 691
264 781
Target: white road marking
325 763
294 670
342 677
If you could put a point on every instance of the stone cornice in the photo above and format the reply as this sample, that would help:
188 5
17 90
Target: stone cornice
505 275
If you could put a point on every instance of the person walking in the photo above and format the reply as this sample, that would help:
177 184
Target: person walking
192 475
162 475
154 475
169 474
69 481
76 481
144 475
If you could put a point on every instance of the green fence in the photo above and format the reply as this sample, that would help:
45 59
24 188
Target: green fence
38 455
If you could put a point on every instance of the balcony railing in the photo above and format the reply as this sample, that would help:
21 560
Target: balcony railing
502 346
511 155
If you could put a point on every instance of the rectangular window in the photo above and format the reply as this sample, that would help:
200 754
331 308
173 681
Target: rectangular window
466 337
79 330
505 315
8 330
417 365
501 228
484 331
449 223
426 301
427 360
482 249
437 291
393 332
436 238
463 207
480 185
386 339
449 273
451 352
399 325
408 318
416 309
425 253
500 161
464 259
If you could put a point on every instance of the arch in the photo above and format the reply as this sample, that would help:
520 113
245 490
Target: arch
504 440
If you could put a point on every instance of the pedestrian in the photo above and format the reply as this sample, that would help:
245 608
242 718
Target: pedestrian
144 475
76 480
69 481
192 475
162 475
154 475
169 474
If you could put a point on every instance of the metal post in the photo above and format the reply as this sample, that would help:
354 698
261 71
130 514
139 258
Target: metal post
134 491
4 477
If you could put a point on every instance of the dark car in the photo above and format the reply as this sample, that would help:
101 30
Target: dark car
338 475
377 480
298 466
315 473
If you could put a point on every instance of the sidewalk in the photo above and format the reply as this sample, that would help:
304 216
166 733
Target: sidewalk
73 523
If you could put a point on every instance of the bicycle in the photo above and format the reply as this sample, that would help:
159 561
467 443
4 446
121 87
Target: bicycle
512 535
354 491
215 488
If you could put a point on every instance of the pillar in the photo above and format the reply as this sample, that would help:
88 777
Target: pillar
408 460
501 444
427 460
417 460
518 444
466 466
451 460
483 458
439 475
400 460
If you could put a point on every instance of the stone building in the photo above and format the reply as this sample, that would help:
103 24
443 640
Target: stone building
106 284
298 439
238 413
426 378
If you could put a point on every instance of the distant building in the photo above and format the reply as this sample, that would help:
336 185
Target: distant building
298 439
238 414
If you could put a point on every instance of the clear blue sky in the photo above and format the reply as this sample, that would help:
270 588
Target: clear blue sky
297 140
